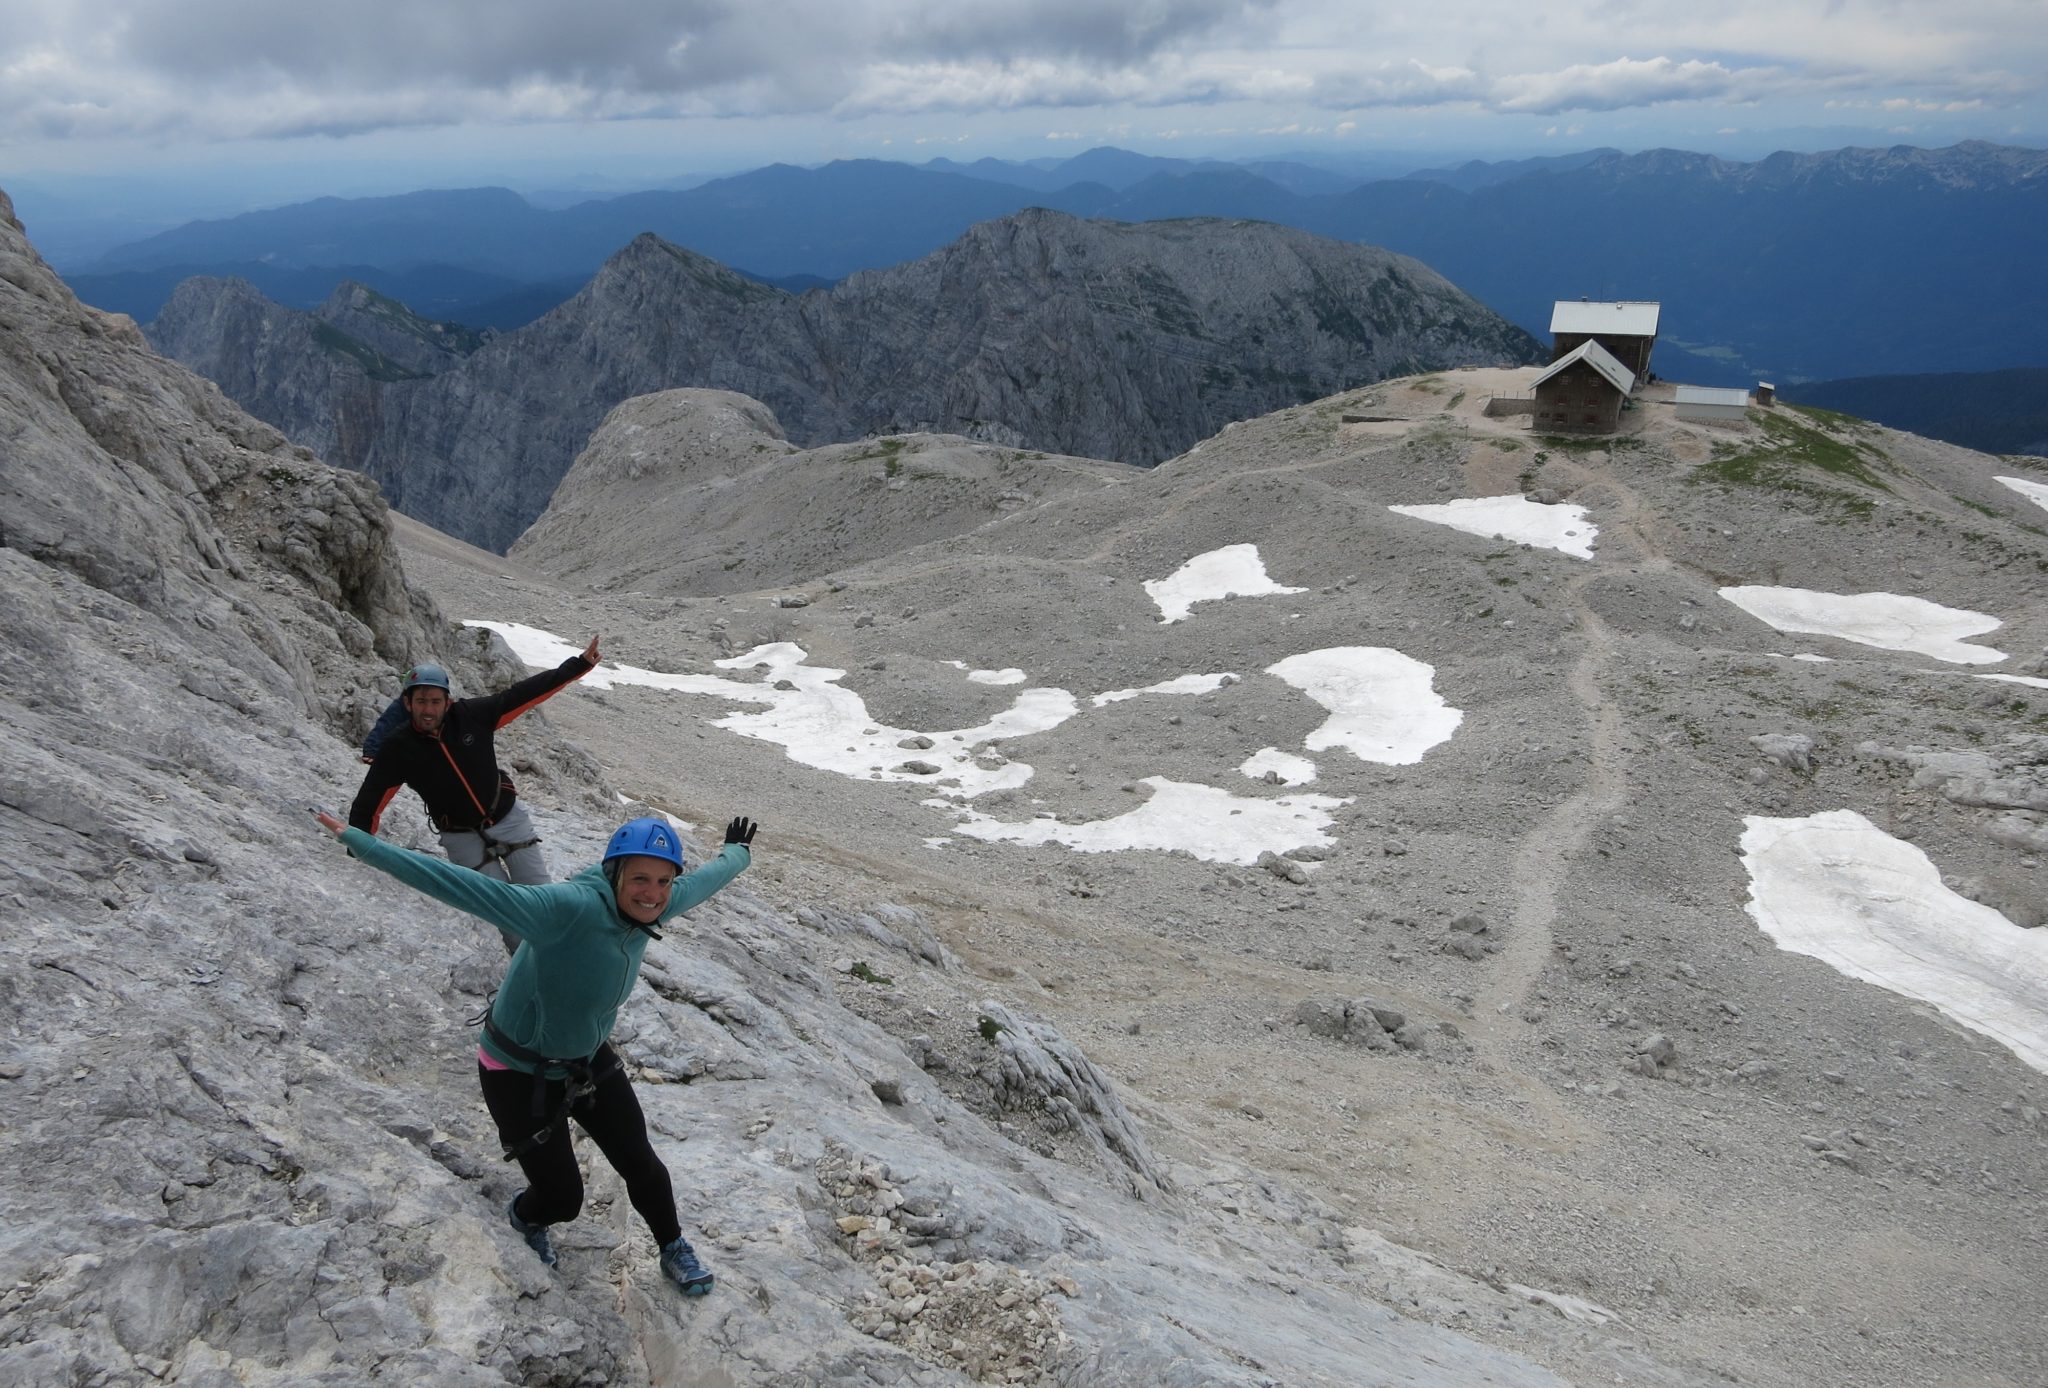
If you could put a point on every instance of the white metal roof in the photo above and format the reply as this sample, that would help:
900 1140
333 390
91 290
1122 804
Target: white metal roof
1621 318
1597 357
1712 395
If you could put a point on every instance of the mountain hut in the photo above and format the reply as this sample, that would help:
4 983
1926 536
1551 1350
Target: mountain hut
1582 392
1627 328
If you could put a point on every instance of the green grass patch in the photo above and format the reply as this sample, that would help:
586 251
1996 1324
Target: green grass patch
1796 454
1833 419
889 451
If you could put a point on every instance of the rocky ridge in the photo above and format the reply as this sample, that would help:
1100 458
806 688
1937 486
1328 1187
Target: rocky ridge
1036 331
699 491
237 1107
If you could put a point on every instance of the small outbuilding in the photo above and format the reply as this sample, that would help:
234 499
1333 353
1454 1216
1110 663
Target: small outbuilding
1712 404
1627 328
1582 392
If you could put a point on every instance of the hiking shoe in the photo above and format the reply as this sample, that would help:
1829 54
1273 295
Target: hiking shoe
679 1262
536 1235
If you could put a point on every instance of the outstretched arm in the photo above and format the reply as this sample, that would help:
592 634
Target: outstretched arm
508 703
532 912
697 887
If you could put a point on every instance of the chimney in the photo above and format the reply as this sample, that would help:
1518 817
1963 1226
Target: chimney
1765 392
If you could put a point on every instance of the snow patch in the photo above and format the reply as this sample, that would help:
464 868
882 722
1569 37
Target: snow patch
1838 888
1885 620
1209 823
1235 571
1382 706
1516 519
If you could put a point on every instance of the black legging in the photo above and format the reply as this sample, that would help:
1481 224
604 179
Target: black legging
612 1117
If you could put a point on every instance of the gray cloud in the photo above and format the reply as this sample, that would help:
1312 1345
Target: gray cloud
200 69
1087 31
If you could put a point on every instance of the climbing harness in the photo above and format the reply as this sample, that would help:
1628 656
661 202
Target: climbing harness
496 851
583 1077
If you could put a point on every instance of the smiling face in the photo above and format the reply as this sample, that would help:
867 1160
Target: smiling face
642 888
428 706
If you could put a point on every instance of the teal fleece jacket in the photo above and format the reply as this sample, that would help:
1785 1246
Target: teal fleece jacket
578 957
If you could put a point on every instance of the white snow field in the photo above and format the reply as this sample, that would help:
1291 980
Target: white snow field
1235 571
1838 888
2036 492
1515 519
1382 705
1885 620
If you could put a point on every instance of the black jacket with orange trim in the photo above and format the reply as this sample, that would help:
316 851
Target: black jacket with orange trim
455 769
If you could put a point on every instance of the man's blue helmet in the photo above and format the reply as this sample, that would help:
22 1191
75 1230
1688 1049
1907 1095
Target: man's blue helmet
426 676
651 837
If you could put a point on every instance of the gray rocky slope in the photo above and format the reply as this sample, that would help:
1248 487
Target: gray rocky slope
239 1137
1036 331
1606 1083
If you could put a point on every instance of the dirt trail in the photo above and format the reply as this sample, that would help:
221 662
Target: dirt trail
1548 852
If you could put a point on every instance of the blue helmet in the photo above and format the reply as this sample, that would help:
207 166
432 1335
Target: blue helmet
424 676
651 837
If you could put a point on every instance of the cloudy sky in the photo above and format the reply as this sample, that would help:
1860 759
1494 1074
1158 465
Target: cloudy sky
664 87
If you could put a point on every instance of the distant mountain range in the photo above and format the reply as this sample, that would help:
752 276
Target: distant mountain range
1038 331
1796 267
1991 411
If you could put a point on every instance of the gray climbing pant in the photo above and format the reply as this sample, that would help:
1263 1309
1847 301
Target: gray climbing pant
508 850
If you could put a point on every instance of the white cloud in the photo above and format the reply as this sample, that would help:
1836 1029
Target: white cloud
1620 83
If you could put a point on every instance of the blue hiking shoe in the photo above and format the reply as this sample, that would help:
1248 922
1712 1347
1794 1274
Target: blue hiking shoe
679 1263
536 1235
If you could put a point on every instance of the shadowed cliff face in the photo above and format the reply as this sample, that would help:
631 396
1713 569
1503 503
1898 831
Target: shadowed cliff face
1037 331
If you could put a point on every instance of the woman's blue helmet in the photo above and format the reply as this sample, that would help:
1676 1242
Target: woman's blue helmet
650 837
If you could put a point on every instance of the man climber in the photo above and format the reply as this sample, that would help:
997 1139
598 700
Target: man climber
445 750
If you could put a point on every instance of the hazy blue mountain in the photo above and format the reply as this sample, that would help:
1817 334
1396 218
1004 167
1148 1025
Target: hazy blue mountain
1991 411
453 293
489 229
1032 176
1220 191
1306 180
1480 173
1120 168
1795 267
854 214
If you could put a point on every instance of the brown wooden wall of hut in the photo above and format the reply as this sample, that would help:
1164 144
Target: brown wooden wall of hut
1577 400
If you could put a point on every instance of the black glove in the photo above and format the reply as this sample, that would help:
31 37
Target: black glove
741 830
